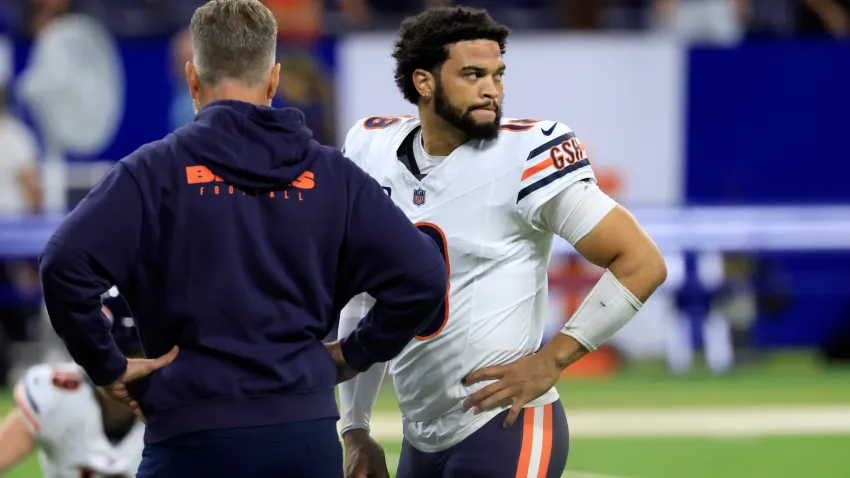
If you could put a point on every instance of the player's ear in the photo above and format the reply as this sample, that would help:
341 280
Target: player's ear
274 81
193 81
424 82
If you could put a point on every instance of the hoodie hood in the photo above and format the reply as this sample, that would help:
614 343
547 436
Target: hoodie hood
247 145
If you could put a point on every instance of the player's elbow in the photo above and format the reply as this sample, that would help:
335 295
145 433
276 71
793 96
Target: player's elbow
656 267
641 267
651 267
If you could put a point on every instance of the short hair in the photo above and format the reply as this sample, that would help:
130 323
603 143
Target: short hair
424 41
233 39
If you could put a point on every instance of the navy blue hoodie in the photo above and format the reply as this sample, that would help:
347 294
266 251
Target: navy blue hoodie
239 239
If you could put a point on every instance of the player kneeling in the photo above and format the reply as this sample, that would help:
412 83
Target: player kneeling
77 429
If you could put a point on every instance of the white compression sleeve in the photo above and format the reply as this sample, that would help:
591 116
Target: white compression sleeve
357 396
573 212
605 310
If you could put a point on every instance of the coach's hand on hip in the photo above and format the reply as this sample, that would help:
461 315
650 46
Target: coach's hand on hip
522 381
343 370
137 369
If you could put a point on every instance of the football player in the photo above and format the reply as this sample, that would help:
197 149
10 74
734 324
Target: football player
77 430
476 390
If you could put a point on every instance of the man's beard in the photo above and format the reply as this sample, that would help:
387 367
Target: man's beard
464 120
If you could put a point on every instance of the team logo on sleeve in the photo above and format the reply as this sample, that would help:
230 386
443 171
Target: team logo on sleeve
419 196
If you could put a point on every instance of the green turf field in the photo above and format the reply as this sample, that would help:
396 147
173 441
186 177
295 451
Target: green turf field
787 379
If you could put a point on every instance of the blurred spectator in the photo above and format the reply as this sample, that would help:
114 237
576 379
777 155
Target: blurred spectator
536 14
699 317
772 17
298 21
823 17
144 17
708 21
581 14
303 85
74 87
182 105
129 18
20 193
836 347
20 189
380 14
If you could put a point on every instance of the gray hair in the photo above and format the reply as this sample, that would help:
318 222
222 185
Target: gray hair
233 39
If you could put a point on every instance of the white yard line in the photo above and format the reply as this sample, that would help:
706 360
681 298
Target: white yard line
581 474
738 422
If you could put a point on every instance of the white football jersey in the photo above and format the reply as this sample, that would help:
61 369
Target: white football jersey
480 204
63 415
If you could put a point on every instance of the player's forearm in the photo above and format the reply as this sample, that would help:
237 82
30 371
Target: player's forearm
634 270
357 398
564 350
15 442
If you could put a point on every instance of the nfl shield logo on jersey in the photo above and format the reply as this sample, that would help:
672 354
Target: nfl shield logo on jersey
419 196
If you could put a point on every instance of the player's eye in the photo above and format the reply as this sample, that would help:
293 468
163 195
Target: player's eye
473 75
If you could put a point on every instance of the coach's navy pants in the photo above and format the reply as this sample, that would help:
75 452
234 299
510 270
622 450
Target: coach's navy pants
293 450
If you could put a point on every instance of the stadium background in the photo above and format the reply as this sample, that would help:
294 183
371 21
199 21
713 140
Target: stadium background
725 134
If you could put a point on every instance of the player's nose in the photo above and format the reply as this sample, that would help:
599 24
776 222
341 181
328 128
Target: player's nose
489 90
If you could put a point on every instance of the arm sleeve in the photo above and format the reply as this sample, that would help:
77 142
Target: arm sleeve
553 162
385 255
94 248
357 396
574 212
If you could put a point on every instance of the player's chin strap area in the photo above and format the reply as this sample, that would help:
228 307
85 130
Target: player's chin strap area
605 310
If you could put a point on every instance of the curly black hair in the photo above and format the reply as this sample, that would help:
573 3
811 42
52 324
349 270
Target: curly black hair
424 40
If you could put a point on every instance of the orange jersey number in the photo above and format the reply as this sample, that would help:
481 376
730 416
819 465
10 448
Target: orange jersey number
434 232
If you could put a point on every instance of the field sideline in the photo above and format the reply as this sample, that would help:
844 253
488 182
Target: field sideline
720 423
729 442
786 417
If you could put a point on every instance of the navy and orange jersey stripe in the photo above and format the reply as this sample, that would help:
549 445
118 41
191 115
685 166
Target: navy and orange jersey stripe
536 449
566 155
519 125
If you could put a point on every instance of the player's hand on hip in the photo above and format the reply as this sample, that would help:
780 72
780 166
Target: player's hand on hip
343 370
364 457
137 369
516 384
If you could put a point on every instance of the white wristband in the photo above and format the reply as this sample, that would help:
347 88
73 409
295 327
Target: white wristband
605 310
